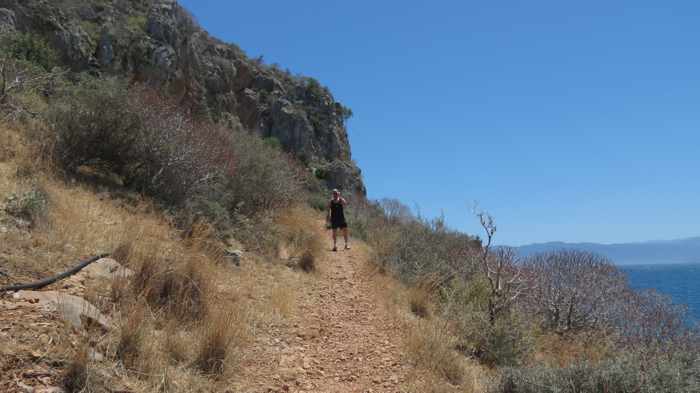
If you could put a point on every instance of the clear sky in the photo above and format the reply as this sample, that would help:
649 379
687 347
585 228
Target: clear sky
566 120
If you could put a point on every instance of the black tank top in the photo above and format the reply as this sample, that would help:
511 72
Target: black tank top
337 210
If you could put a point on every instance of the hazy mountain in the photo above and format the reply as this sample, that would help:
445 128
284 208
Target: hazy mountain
650 252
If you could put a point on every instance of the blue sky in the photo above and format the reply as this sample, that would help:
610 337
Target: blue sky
572 121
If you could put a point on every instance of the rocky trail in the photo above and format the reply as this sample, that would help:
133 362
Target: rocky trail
340 339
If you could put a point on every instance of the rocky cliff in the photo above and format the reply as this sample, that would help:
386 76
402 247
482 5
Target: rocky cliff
159 42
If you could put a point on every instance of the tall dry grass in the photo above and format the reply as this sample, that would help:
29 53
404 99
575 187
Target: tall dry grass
298 227
185 320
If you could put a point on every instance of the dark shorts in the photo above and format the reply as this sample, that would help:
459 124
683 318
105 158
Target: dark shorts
338 223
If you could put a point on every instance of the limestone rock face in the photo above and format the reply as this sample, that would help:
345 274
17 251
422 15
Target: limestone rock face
161 42
7 20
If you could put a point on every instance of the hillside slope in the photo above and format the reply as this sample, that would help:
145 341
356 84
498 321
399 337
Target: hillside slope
179 316
160 42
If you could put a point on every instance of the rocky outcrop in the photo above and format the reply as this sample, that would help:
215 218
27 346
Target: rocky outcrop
7 20
159 41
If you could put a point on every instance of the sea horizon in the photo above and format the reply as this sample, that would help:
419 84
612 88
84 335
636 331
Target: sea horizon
677 280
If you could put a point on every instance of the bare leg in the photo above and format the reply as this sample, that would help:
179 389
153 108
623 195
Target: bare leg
345 236
335 230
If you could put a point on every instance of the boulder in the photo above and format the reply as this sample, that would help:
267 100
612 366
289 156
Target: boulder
343 176
105 50
73 309
7 21
107 268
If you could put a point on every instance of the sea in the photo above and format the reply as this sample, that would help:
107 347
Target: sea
680 281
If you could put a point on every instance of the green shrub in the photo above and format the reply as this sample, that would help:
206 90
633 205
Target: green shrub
263 177
507 342
318 202
626 374
137 23
31 205
418 248
273 142
158 150
320 173
30 48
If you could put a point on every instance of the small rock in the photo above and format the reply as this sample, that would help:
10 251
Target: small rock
7 20
95 355
25 388
108 268
234 256
50 389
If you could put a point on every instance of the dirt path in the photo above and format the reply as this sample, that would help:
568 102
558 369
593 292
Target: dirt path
339 340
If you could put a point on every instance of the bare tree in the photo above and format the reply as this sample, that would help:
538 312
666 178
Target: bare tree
395 211
575 289
505 277
650 319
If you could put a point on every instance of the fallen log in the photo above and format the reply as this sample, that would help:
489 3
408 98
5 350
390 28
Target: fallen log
48 281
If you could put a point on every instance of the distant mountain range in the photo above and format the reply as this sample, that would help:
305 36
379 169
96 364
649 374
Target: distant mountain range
650 252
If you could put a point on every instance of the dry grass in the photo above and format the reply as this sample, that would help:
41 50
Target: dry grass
282 300
132 335
428 343
165 333
564 350
307 262
432 347
298 228
176 287
221 338
75 377
176 344
419 301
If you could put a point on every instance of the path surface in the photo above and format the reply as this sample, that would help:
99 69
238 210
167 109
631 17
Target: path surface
340 339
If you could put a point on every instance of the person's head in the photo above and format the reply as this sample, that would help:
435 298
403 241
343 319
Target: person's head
336 194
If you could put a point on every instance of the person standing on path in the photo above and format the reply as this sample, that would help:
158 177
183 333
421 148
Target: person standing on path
336 218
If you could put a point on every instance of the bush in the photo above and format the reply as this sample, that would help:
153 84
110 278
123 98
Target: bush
264 177
574 290
155 147
220 334
75 377
420 248
135 134
507 342
178 288
626 374
307 262
431 346
29 48
31 205
318 202
132 335
419 301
